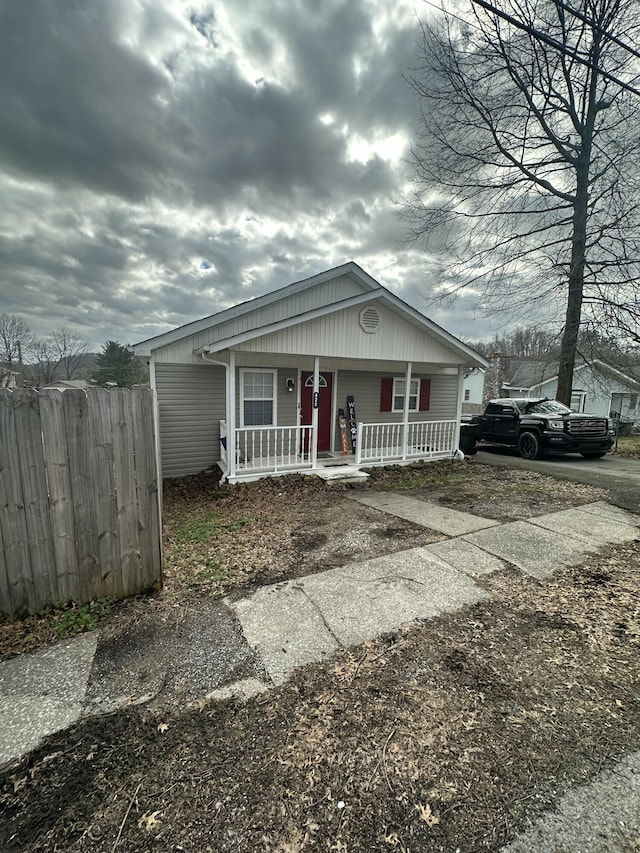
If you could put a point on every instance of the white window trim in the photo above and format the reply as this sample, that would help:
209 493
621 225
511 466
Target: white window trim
274 399
322 382
394 395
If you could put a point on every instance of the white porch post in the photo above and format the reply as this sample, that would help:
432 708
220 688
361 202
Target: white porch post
456 431
231 415
405 413
314 412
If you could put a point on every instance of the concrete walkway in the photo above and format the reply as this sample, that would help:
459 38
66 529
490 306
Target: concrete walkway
301 621
291 624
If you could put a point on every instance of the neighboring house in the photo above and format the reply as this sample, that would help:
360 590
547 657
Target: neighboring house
66 385
259 388
472 390
598 388
10 375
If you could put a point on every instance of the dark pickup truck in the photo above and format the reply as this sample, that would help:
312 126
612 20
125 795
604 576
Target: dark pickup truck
534 426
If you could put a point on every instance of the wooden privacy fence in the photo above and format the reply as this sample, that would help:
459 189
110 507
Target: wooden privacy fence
79 500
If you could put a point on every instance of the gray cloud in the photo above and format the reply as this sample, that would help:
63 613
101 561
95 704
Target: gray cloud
162 160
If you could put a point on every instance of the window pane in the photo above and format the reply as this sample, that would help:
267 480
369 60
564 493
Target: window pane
413 403
414 387
258 412
398 403
399 387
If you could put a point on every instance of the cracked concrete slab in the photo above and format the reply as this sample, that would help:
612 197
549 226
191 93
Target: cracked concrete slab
466 557
535 550
605 510
284 628
589 526
304 620
451 522
41 693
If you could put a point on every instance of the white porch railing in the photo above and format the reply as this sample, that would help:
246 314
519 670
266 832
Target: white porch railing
379 443
273 449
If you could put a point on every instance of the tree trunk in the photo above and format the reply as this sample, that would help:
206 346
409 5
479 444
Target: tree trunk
576 287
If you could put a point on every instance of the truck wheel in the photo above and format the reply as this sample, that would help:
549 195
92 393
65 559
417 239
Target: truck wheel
529 446
593 455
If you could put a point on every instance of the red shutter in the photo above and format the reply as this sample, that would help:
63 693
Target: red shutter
386 394
425 391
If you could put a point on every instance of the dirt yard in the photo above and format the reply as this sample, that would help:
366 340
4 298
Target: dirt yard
447 735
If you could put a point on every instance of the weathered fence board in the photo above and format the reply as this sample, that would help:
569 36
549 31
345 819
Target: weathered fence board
79 512
104 489
32 470
121 428
149 483
13 520
76 414
54 436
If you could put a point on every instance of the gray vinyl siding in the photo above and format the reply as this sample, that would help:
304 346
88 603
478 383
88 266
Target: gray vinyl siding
191 402
365 388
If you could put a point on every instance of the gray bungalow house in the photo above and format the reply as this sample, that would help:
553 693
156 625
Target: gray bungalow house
331 370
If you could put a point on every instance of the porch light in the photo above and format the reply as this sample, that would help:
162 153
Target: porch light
290 384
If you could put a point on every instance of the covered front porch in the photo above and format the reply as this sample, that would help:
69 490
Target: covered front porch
329 438
264 451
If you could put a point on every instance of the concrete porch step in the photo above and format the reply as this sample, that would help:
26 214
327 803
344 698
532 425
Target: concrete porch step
341 471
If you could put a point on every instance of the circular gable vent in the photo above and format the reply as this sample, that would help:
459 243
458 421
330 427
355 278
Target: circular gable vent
369 320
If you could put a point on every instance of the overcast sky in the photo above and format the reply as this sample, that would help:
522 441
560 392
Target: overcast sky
161 160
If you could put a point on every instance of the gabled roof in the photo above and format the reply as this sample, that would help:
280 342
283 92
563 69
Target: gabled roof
526 373
371 289
351 269
65 384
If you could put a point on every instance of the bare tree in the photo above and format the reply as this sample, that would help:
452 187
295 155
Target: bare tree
527 167
69 349
58 356
528 341
15 338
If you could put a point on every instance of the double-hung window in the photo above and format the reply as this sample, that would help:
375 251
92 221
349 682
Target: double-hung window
258 398
399 391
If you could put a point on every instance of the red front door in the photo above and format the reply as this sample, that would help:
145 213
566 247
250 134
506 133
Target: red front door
324 406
